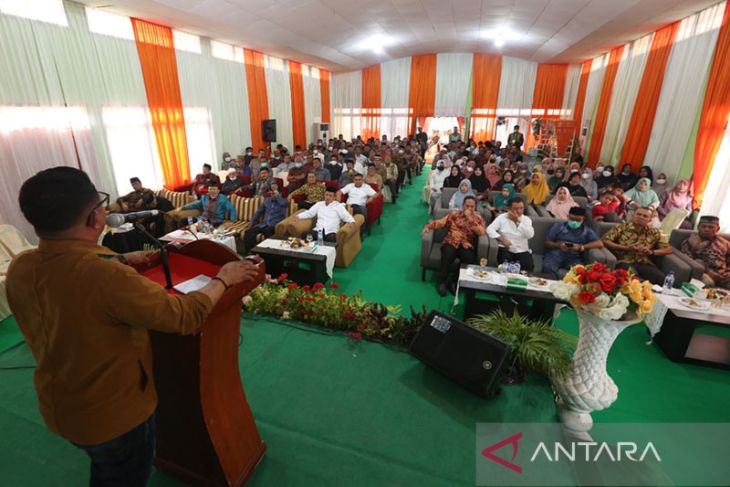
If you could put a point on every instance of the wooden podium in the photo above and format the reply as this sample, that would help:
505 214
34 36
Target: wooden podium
206 433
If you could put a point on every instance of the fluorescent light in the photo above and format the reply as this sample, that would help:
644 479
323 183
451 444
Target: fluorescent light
499 42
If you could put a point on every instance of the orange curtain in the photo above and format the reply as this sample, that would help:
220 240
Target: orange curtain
599 127
487 71
715 112
580 99
422 89
258 101
647 98
370 121
159 70
549 87
324 92
296 84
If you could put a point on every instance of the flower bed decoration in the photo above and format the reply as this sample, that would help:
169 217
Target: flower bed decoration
326 306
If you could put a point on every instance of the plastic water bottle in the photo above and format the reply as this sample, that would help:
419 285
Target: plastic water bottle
320 239
190 221
669 281
516 267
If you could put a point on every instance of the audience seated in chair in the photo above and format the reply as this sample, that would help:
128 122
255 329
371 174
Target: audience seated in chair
216 208
313 192
464 227
262 184
267 216
636 242
358 195
330 214
512 230
348 174
203 180
711 250
232 183
560 205
321 173
567 242
139 199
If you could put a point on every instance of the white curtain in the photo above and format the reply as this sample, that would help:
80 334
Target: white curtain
717 197
57 79
516 86
312 101
278 91
395 77
682 92
346 100
453 78
219 87
593 94
628 78
570 94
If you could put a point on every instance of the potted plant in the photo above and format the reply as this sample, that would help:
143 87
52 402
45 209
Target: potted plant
607 302
536 345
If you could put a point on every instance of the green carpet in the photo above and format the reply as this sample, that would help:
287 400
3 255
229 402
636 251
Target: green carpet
9 334
338 412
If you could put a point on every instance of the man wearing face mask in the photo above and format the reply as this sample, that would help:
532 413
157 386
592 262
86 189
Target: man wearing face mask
566 243
435 184
334 166
297 175
284 166
228 162
248 156
232 182
516 139
257 163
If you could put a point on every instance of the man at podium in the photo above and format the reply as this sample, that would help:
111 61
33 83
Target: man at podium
85 313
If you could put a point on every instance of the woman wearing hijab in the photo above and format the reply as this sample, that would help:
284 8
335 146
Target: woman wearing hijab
589 185
454 178
557 178
501 200
660 184
641 196
507 178
627 179
457 201
492 174
537 190
606 178
560 205
479 182
678 197
646 172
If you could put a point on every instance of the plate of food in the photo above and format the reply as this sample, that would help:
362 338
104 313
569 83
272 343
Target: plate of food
717 293
481 274
694 303
538 282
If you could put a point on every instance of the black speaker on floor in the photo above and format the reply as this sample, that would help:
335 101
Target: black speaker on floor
268 129
471 358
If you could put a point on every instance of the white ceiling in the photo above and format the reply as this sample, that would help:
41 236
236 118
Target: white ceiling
332 33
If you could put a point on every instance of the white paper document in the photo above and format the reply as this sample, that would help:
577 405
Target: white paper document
192 285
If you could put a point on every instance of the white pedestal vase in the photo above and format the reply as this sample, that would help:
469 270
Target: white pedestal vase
587 386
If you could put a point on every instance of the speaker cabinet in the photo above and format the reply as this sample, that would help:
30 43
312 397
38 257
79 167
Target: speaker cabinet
473 359
268 130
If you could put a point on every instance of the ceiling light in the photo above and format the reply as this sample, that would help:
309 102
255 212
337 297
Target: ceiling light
376 43
499 42
501 35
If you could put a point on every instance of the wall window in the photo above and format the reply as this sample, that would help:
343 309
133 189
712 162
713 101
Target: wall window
186 42
50 11
109 24
132 147
200 139
222 50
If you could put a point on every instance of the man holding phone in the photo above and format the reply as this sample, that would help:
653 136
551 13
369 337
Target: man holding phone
566 243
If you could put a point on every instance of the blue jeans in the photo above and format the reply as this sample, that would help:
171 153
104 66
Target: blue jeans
555 260
125 461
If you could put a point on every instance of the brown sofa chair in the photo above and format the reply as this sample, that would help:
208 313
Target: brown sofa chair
348 237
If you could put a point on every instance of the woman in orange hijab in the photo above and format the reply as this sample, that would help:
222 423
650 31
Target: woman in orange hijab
537 190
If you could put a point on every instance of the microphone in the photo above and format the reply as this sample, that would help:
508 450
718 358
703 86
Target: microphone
117 219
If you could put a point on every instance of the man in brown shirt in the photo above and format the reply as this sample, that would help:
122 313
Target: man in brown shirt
85 316
139 199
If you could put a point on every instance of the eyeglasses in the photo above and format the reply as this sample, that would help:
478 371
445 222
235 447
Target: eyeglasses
103 202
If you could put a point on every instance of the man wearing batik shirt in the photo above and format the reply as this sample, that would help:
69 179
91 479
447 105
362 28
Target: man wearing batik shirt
636 242
313 192
138 200
711 250
205 179
465 227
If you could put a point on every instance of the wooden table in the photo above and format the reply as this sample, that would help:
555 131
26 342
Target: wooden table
302 267
542 307
680 342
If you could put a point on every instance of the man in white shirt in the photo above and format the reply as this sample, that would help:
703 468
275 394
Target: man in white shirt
358 195
361 160
330 215
513 230
435 184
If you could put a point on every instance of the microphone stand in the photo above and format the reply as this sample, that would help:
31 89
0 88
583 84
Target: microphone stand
163 254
